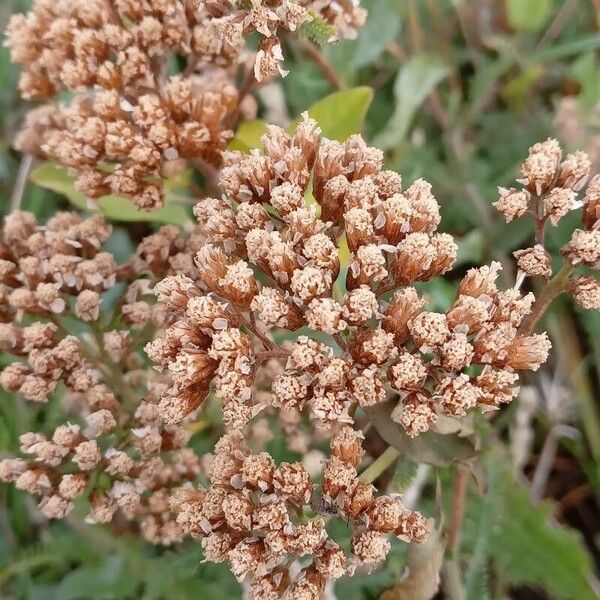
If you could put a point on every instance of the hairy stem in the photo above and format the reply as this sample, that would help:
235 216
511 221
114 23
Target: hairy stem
385 460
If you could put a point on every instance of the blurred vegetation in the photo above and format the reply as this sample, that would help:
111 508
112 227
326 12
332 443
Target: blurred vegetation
461 90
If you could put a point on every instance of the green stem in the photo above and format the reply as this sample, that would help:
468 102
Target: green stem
372 472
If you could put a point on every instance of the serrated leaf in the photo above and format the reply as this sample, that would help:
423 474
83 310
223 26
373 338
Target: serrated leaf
430 448
531 548
248 136
340 114
318 29
528 15
476 577
416 79
52 177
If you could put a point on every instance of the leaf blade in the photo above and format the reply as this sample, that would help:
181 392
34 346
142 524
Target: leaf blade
340 114
414 82
51 177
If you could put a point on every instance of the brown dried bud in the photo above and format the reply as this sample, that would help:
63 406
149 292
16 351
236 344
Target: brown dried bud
535 262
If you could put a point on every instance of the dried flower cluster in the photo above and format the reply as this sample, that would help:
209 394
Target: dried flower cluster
117 451
126 479
552 184
47 272
271 262
131 124
312 241
260 518
298 296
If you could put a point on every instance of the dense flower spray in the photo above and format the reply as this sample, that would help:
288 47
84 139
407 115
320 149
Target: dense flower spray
132 122
114 449
363 333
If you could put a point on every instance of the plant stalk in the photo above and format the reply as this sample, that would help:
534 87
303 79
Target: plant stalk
452 577
373 471
553 288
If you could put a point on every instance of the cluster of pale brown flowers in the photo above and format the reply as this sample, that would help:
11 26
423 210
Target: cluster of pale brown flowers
126 469
131 123
272 262
46 272
551 187
299 294
266 520
311 242
116 451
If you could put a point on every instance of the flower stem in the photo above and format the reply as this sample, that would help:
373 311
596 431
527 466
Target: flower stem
553 288
373 471
451 569
326 69
21 182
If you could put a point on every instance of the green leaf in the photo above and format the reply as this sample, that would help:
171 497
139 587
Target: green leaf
403 475
518 91
528 15
476 585
382 26
587 72
51 177
110 579
430 448
470 248
248 136
414 82
340 114
531 548
565 49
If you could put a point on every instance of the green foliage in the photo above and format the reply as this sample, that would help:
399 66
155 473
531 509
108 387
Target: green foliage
318 29
51 177
341 114
529 15
403 474
414 82
586 69
430 448
248 136
526 544
382 26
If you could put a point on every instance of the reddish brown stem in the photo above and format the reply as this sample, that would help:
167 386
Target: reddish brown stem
327 70
553 288
267 343
459 494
